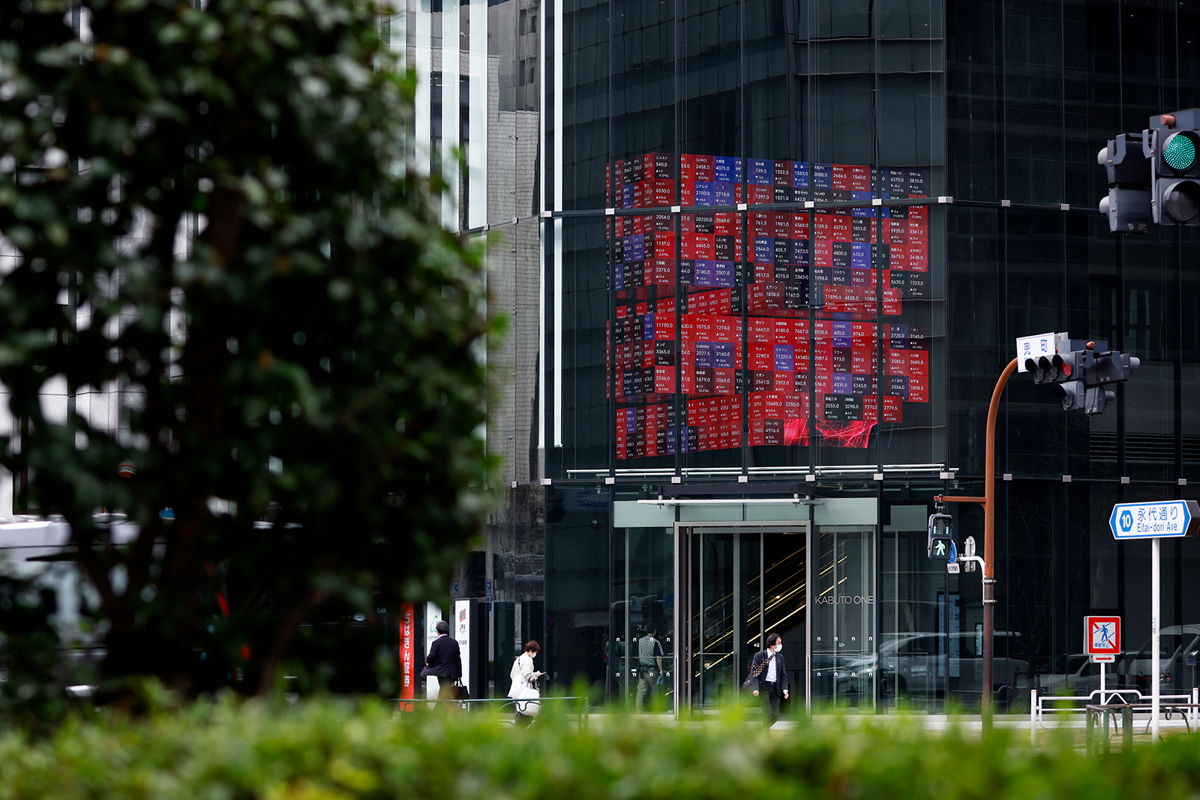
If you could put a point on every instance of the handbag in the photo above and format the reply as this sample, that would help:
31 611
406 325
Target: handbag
531 706
751 682
528 708
460 691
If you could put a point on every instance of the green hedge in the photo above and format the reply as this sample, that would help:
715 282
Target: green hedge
331 749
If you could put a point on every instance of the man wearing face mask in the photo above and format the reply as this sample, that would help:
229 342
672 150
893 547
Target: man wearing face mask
772 680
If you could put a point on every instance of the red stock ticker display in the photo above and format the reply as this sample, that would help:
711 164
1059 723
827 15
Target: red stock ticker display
783 313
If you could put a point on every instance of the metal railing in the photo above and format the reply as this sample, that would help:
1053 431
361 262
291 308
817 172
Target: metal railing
1187 706
1107 713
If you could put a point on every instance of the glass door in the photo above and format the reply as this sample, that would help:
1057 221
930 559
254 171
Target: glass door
736 584
717 567
844 652
785 602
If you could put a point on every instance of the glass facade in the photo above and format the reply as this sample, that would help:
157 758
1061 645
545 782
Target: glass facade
767 262
713 338
1034 89
748 244
746 281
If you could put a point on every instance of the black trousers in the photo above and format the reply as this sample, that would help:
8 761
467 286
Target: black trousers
772 696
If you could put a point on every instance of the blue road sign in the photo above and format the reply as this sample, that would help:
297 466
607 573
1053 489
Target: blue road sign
1155 520
953 553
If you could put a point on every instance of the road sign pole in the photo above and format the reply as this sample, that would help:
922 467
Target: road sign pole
1155 520
1155 667
1103 699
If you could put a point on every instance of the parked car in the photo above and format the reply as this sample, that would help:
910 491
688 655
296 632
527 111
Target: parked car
916 665
1179 650
1080 678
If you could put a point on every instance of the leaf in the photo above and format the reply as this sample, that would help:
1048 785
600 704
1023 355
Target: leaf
265 280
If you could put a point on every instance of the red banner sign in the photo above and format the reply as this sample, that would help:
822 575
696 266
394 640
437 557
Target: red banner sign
408 657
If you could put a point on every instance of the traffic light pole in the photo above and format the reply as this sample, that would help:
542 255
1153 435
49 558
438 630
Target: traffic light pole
988 501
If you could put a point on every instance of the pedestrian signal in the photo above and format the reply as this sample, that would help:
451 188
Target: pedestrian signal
941 541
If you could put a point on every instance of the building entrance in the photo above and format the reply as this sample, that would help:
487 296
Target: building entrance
739 583
813 586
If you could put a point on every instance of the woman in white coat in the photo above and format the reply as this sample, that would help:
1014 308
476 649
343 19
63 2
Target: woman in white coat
524 684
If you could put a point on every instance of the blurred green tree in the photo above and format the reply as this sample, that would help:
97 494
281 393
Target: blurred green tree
217 247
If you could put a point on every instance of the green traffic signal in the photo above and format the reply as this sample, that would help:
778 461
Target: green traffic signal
1180 150
1175 195
941 542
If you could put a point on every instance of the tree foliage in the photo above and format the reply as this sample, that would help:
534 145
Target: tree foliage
219 252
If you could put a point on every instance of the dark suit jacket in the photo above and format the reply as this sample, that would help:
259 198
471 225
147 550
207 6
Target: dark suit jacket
781 679
444 659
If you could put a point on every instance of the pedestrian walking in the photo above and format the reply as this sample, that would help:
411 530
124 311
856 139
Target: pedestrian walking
650 666
524 688
772 684
444 662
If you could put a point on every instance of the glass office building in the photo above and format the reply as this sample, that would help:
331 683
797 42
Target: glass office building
784 252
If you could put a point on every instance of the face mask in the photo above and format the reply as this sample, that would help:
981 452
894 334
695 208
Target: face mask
779 647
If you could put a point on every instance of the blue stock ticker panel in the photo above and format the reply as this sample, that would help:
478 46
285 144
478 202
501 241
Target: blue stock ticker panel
819 290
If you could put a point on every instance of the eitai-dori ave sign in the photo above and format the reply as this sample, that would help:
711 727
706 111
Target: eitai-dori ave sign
1159 519
1155 520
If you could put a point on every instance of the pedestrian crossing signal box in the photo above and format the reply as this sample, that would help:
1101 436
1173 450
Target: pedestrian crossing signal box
941 540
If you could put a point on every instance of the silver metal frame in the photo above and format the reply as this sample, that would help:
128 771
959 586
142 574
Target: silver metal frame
683 629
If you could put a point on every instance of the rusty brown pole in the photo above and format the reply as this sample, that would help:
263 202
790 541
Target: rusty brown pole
988 501
989 542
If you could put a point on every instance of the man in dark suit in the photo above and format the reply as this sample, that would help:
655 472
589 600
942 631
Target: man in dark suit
444 661
772 679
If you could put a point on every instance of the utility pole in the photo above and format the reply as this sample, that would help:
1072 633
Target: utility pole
1081 372
988 502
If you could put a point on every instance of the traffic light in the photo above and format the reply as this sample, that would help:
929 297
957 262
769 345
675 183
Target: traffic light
1073 395
1111 367
1096 399
1081 375
1071 388
1049 369
1088 375
1059 368
1127 205
1175 160
1114 367
941 541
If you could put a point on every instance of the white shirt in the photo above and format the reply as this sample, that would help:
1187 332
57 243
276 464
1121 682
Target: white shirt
521 670
771 668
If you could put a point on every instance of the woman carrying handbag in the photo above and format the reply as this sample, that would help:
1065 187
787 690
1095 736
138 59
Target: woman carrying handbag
524 690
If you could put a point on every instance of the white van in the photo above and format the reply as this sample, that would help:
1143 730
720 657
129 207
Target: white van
1178 649
33 549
